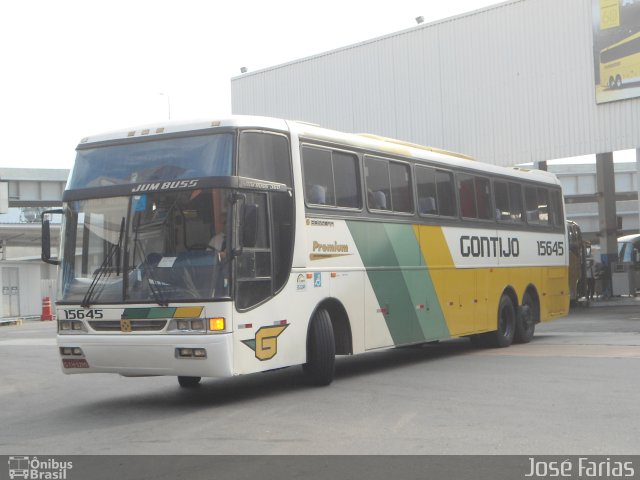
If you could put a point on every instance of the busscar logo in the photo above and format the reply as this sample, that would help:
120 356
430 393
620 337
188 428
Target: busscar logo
265 343
152 187
38 469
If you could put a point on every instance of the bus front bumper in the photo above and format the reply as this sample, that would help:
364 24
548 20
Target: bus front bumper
147 355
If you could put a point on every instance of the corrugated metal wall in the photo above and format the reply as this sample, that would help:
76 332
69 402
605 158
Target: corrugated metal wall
508 84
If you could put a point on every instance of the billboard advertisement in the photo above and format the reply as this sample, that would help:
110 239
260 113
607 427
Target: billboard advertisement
616 49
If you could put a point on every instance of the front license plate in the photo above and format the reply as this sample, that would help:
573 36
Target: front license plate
75 363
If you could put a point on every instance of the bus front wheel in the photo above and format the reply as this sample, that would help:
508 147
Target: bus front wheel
188 382
321 350
503 336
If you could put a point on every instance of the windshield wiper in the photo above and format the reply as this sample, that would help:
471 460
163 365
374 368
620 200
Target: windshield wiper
103 270
149 270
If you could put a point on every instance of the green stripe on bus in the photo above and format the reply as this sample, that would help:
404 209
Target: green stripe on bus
400 280
423 297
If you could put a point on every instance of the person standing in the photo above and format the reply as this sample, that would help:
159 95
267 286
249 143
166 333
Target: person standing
591 280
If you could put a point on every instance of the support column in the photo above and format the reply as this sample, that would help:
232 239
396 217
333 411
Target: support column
606 193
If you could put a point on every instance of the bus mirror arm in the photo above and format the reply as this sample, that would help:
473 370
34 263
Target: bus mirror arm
46 237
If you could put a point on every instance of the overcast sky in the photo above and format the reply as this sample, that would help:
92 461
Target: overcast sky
74 68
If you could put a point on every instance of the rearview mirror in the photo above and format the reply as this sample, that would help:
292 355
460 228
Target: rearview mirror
46 237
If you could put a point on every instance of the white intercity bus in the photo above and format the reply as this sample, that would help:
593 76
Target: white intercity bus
249 244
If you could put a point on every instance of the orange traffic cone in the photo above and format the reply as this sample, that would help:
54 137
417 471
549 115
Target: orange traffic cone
47 314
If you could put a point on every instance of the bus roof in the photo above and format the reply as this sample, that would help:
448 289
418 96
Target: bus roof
311 131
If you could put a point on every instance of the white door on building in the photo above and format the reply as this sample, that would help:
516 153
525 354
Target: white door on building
10 292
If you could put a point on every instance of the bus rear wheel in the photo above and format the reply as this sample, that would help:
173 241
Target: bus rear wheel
618 81
503 336
189 382
526 320
321 350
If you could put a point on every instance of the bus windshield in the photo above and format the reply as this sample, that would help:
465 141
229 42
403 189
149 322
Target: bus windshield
156 247
139 161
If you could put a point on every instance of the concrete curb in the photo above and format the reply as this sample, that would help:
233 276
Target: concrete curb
622 301
17 320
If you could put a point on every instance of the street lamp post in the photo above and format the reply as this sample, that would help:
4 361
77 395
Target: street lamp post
168 103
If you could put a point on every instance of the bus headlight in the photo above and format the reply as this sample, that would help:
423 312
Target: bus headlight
71 351
71 327
187 325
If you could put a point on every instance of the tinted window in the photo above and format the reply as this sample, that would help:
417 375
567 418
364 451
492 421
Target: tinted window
466 191
346 178
388 185
531 205
378 184
318 176
483 198
155 160
515 202
265 156
501 198
446 193
401 196
543 206
427 193
508 201
253 265
331 178
555 209
435 191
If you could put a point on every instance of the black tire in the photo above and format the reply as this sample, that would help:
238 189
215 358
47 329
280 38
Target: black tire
528 316
612 83
503 336
321 350
618 81
189 382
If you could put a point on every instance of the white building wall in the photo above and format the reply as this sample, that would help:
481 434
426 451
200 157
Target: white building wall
509 84
30 299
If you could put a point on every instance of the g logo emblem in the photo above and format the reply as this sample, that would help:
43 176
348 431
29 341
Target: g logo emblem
265 343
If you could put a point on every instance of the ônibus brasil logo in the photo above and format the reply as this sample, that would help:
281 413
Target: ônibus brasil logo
34 469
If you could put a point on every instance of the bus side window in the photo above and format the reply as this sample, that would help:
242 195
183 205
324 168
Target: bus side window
378 183
331 178
318 176
501 199
426 183
531 205
347 180
446 193
466 191
543 206
555 209
483 198
515 202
